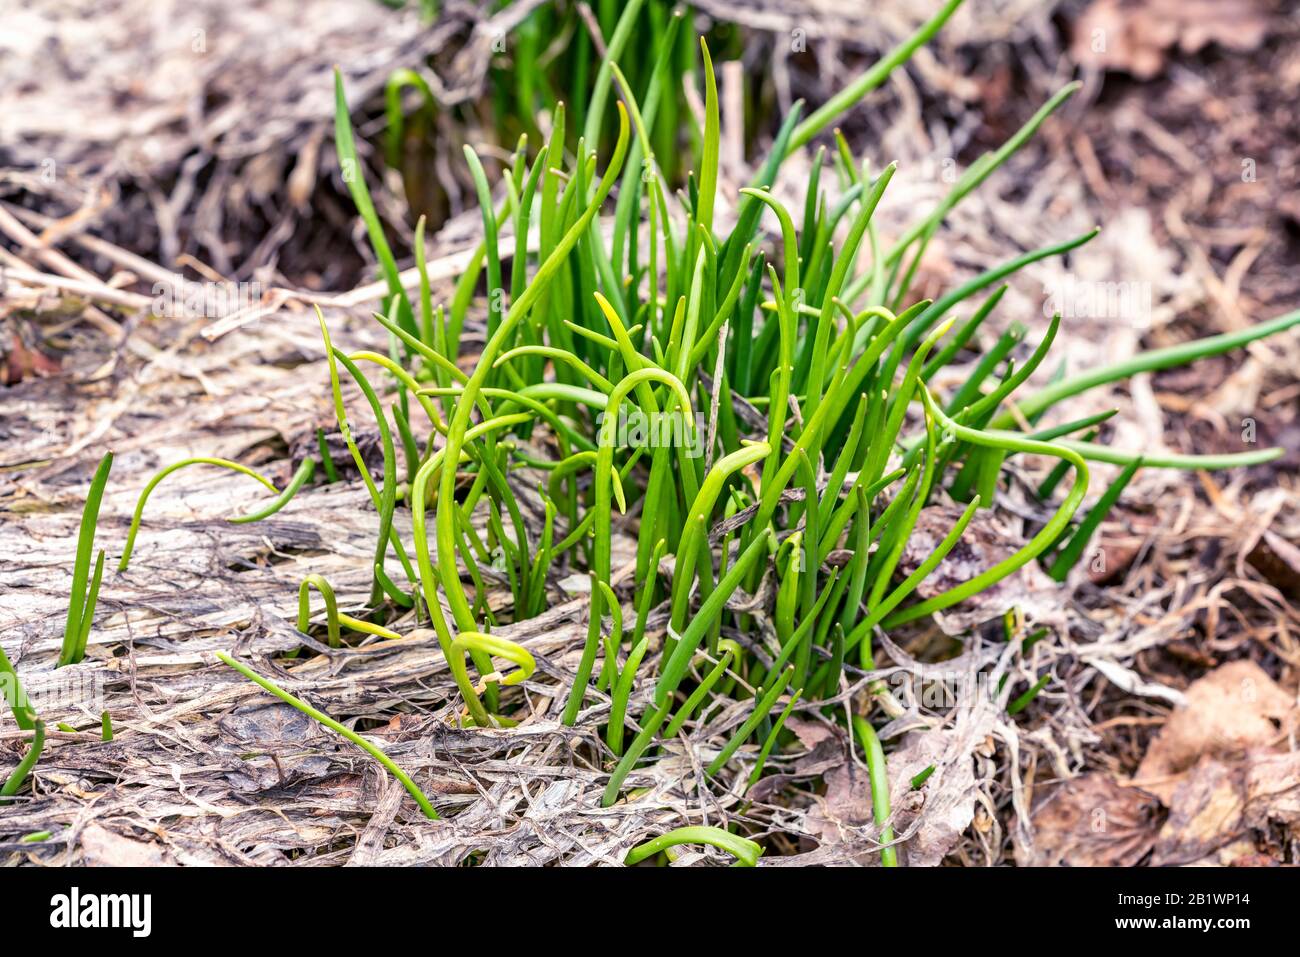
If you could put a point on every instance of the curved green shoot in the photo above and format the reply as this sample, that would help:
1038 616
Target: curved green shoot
446 512
487 645
14 694
300 478
1149 361
745 851
371 749
1072 550
15 780
1043 540
168 470
326 590
398 81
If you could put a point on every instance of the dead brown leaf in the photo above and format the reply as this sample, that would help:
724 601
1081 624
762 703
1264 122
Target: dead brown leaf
1136 36
22 362
1233 709
1221 766
1243 814
846 804
1092 821
945 805
1273 792
1206 814
1118 548
933 819
826 751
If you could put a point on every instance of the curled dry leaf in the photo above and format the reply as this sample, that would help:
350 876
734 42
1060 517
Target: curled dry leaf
845 806
1222 766
1233 709
1243 813
825 751
945 805
944 810
1093 821
932 820
1272 785
1206 816
270 746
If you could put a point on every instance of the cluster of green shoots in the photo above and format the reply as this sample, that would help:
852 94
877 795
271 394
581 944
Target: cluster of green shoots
808 432
550 59
76 632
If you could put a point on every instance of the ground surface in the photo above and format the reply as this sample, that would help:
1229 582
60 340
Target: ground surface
1171 709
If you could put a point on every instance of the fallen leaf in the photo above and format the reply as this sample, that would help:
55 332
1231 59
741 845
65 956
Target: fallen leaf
826 751
846 804
1206 813
1136 36
1229 814
945 804
1093 821
1233 709
1117 544
268 725
1272 789
271 746
810 733
945 812
23 362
